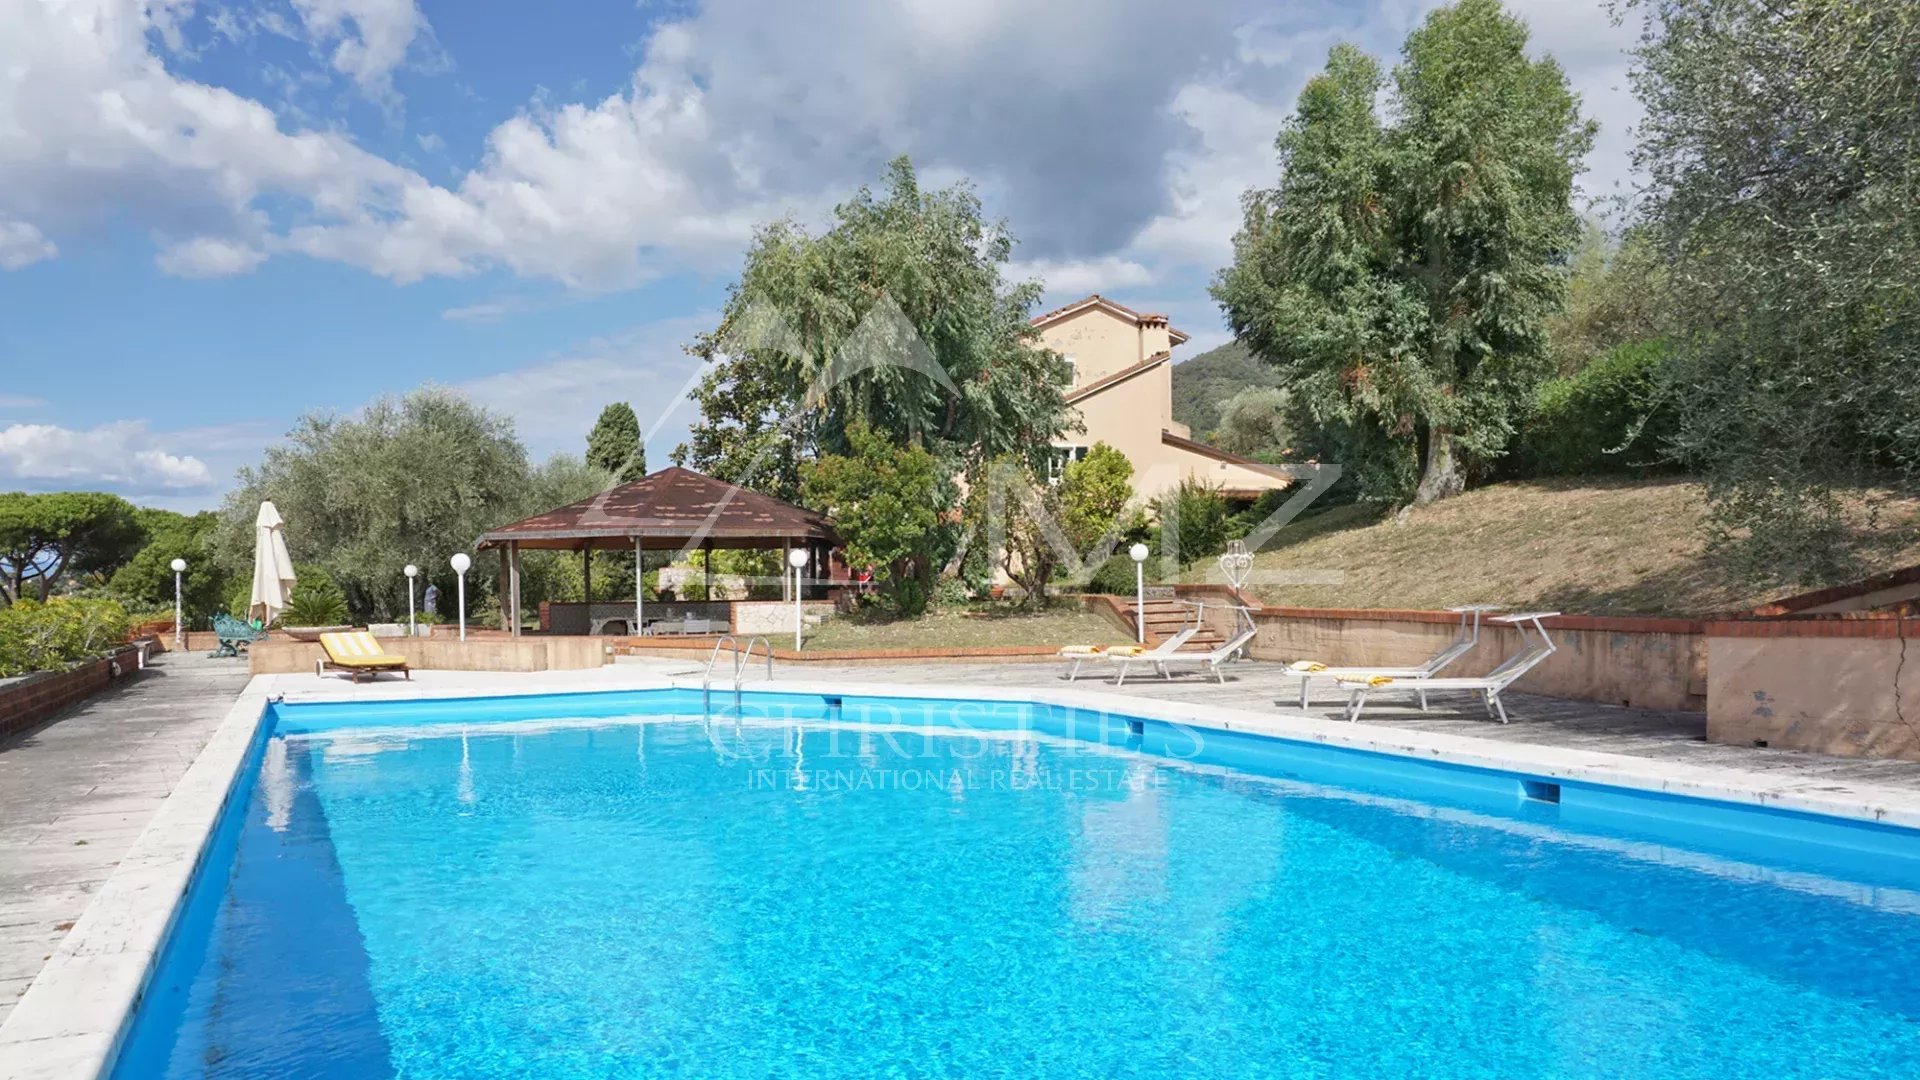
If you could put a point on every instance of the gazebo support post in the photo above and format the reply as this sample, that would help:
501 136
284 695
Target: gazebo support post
504 585
707 546
513 583
586 576
639 586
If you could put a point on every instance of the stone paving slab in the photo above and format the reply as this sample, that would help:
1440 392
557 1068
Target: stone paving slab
76 793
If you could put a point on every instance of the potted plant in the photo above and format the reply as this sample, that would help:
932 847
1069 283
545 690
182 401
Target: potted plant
316 606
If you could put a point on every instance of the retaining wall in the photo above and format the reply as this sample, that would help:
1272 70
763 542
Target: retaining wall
274 657
1642 662
27 702
1832 686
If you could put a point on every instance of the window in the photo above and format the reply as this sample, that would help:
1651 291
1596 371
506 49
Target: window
1062 457
1073 373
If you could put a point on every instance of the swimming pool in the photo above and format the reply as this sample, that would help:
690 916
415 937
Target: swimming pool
600 886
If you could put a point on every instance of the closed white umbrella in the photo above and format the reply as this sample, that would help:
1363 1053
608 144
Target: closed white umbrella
272 566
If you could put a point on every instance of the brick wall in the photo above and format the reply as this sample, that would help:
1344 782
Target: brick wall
36 698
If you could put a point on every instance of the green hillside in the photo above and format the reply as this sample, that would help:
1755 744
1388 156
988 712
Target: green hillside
1202 385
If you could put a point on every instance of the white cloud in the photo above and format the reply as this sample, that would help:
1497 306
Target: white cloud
486 312
1109 150
119 455
209 257
1081 276
555 402
22 245
370 38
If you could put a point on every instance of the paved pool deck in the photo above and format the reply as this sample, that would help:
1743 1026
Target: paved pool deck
75 794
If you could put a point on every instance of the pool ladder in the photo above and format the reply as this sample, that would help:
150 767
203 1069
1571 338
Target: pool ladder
741 657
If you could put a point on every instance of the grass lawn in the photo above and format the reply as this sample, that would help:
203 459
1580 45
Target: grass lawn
969 626
1592 547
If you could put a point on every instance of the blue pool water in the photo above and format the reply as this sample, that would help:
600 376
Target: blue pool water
675 899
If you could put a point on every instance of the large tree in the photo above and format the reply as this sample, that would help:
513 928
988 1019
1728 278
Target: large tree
44 537
614 443
1401 273
145 582
411 479
883 500
896 317
1782 150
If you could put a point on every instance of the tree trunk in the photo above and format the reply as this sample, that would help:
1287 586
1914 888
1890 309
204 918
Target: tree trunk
1439 470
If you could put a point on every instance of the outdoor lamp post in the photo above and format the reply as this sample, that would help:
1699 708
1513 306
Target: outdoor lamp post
179 627
412 572
1139 553
460 563
796 558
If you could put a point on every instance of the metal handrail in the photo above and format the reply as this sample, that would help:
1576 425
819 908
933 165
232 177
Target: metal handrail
740 660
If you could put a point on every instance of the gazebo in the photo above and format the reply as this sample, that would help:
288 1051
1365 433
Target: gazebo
674 509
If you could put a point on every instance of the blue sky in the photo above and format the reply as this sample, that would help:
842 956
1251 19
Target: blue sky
218 216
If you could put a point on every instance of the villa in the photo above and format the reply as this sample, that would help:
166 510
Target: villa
1122 393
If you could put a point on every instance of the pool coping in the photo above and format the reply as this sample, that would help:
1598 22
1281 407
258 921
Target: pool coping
75 1015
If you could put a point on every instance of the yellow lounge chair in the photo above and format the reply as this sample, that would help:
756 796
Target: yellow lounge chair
1080 654
358 654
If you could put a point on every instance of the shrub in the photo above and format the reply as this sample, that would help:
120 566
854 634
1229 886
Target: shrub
316 600
949 592
50 636
1198 517
1607 417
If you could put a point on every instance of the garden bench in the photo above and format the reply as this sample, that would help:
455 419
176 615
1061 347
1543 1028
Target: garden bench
234 635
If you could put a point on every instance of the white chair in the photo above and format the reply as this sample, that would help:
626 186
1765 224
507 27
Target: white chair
1080 654
1489 686
1164 664
1464 639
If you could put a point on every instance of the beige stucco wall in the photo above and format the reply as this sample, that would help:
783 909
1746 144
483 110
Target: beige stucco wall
1099 342
1130 415
273 657
1830 695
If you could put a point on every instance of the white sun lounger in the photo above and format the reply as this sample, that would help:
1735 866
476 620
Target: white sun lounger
1489 686
1464 639
1080 654
1164 664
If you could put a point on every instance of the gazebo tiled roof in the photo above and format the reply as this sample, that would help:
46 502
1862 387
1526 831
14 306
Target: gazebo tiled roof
667 510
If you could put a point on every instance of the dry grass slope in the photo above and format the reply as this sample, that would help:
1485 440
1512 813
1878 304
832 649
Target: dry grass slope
972 626
1599 548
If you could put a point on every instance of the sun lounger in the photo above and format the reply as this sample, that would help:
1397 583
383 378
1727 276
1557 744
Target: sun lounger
1164 663
1488 686
1080 654
358 654
1307 672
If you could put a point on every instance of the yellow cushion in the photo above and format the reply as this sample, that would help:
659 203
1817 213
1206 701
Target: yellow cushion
358 649
1083 650
1126 650
1308 666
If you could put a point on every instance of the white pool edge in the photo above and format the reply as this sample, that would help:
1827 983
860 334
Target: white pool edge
71 1021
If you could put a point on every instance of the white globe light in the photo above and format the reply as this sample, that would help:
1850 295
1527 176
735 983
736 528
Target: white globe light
411 570
178 565
460 562
1139 552
797 558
